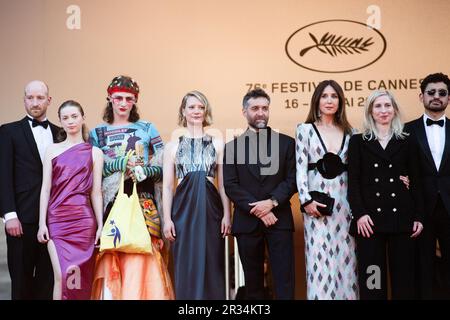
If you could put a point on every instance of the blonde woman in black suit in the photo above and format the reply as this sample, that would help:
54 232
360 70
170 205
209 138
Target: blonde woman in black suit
387 215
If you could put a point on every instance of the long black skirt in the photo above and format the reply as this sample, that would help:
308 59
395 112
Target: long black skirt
198 250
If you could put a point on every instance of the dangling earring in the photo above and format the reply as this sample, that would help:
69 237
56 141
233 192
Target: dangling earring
319 114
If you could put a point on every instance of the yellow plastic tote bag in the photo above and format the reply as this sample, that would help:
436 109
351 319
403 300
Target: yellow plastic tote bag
125 229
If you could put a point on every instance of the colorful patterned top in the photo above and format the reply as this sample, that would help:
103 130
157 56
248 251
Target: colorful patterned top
116 141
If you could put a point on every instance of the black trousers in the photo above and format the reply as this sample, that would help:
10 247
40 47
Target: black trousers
281 257
382 253
29 266
436 226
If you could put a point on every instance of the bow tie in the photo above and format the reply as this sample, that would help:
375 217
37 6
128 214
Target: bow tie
440 123
35 123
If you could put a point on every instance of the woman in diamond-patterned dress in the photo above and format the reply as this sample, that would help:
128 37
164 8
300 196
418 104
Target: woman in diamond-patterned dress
329 248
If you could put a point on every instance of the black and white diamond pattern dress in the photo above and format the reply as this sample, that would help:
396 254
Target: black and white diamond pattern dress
331 268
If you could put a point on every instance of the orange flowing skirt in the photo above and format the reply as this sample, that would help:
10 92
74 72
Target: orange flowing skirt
130 276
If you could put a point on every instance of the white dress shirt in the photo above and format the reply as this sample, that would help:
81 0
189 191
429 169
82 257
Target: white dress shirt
436 139
43 138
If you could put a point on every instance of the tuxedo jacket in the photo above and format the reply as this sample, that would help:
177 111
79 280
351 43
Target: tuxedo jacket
375 188
250 178
20 170
435 182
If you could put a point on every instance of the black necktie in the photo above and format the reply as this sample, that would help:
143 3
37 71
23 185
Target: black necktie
35 123
440 123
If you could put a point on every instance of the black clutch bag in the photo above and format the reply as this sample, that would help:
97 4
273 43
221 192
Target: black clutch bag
324 199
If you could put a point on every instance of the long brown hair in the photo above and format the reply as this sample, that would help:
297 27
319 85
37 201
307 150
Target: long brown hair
62 135
340 117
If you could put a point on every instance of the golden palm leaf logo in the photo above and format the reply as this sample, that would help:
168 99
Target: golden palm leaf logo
333 45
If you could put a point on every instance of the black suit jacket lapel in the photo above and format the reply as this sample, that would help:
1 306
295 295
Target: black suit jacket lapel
393 146
249 140
446 153
423 141
55 131
374 146
268 157
30 138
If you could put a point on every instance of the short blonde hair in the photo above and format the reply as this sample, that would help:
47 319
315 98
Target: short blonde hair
369 127
200 97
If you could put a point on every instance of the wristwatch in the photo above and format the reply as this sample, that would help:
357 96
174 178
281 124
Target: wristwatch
274 202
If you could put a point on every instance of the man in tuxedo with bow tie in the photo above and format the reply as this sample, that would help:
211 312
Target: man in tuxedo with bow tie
432 133
259 177
22 148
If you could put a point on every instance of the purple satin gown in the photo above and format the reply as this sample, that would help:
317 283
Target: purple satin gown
71 221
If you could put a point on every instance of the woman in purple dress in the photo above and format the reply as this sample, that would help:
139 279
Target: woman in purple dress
70 195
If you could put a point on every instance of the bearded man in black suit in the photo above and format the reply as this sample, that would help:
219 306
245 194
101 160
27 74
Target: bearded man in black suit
259 177
22 148
432 134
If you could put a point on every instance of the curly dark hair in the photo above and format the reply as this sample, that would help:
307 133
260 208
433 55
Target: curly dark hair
108 114
434 78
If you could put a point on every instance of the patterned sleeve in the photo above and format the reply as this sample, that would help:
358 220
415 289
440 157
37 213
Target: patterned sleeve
301 156
93 138
156 145
109 167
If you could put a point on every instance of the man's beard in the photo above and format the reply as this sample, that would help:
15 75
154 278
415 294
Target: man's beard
435 108
258 124
37 112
